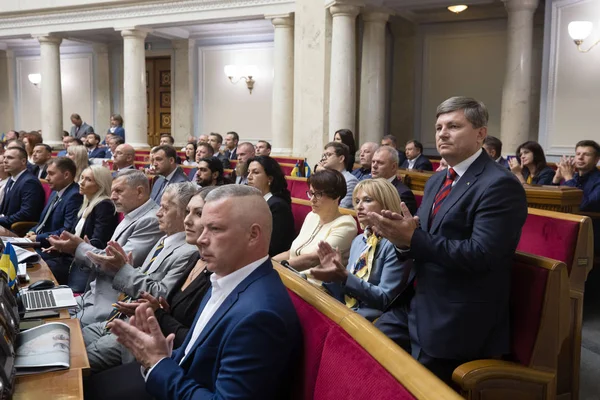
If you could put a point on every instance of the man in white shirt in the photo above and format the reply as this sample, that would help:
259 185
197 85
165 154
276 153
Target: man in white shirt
246 334
415 158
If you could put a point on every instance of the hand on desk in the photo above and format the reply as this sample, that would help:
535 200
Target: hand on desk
31 236
114 259
65 243
143 337
396 228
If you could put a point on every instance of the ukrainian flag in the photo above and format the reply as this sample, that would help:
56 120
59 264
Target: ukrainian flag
8 264
307 171
296 170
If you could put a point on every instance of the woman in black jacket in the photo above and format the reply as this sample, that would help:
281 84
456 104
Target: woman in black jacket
265 174
97 218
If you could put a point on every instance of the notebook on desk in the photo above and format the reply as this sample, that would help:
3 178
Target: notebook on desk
52 299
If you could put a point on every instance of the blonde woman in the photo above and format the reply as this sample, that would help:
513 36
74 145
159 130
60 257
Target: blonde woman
97 217
374 275
79 155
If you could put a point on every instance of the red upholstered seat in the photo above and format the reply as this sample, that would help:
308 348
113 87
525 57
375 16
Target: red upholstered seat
141 157
300 211
47 190
526 302
435 164
297 188
419 199
287 169
337 367
550 237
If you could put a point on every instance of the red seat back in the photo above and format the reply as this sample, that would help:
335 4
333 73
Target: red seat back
527 294
300 211
419 199
47 190
287 169
297 188
335 366
550 237
435 164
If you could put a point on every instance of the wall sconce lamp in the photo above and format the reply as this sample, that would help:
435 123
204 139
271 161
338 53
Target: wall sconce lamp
236 73
579 31
36 79
458 8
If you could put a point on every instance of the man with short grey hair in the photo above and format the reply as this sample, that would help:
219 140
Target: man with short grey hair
245 339
462 243
136 233
165 264
385 165
365 157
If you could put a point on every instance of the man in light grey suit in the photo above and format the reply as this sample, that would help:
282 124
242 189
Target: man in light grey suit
163 266
164 163
137 233
79 129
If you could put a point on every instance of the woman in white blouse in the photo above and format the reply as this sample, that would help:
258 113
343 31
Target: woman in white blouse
97 217
324 223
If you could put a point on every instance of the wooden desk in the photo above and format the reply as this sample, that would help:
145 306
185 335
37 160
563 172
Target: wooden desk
64 385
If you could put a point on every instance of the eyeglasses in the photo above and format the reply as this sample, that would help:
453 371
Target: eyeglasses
327 155
316 195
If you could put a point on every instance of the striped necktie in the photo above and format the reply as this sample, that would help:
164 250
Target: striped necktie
125 297
442 193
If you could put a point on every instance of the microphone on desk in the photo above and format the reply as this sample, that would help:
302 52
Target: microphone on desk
34 245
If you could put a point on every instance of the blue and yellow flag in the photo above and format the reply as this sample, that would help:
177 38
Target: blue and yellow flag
9 263
306 169
296 170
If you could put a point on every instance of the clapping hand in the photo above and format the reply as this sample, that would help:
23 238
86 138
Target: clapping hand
65 243
515 165
397 228
566 166
331 268
143 337
114 258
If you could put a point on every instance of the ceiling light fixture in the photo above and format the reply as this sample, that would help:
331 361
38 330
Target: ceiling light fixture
458 9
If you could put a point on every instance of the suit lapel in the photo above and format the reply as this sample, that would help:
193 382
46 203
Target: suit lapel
460 188
229 302
427 203
161 257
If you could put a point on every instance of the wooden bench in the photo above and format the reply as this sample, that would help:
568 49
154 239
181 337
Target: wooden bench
539 307
346 357
567 238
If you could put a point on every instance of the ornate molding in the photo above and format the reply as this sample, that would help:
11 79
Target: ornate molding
123 12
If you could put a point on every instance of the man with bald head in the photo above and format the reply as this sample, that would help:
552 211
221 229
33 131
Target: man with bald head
246 335
245 151
124 156
366 155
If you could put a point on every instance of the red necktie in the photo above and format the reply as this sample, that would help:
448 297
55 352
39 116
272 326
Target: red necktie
442 193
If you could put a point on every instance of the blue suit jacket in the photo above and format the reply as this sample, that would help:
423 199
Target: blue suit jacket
422 164
247 350
98 152
504 162
23 202
463 263
159 186
64 215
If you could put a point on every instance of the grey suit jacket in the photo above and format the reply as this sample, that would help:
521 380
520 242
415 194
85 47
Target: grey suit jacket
138 235
159 186
83 130
158 277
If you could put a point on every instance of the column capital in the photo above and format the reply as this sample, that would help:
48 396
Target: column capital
375 16
281 20
48 39
134 32
338 9
520 5
181 44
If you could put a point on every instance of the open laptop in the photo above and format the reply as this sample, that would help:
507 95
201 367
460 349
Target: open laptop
51 299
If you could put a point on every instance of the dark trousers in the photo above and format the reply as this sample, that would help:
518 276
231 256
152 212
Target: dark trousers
395 325
122 382
59 265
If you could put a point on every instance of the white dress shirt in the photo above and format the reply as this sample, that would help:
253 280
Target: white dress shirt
411 163
464 165
221 289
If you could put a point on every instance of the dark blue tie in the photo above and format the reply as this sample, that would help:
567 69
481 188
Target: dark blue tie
6 190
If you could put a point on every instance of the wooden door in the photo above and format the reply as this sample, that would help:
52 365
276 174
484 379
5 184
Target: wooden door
158 92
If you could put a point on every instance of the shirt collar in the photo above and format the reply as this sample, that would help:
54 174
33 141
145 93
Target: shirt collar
229 282
268 196
16 177
170 240
464 165
498 159
390 180
170 176
62 191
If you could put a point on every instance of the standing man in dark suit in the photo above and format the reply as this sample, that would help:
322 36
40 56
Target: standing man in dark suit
462 243
60 213
246 335
384 165
165 165
92 140
415 158
493 146
231 142
215 140
79 129
42 153
23 191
